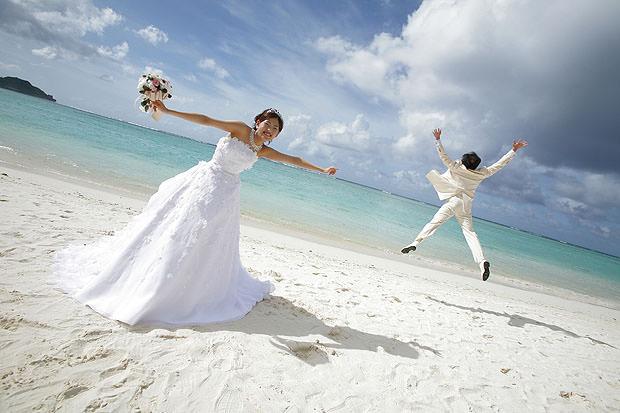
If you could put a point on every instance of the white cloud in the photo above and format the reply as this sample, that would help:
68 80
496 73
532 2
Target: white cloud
185 100
55 52
353 137
154 70
490 71
58 24
493 70
301 128
48 52
362 67
211 65
349 146
191 77
117 52
130 69
409 179
420 126
153 35
77 17
335 45
601 191
603 231
9 66
330 140
571 206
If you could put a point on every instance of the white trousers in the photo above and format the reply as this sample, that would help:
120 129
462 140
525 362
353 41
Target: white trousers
454 206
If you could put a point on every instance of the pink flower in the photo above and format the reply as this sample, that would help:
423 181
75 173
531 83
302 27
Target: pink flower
155 82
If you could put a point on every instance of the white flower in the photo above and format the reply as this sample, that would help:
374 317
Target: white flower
152 86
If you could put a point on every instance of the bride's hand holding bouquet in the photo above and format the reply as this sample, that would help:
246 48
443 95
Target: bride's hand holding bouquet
153 88
158 106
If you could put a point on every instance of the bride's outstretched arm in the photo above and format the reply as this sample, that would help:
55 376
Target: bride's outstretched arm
270 153
235 127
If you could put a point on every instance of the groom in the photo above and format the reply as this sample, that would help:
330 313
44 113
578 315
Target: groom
458 185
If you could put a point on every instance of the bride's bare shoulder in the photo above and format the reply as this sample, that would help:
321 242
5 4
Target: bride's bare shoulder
241 131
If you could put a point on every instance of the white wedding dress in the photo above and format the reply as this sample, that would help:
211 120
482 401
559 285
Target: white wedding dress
177 262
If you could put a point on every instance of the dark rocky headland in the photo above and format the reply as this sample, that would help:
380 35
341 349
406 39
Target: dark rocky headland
23 86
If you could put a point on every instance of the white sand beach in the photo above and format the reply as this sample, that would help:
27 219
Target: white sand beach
343 330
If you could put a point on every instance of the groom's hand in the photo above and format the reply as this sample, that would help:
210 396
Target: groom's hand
518 144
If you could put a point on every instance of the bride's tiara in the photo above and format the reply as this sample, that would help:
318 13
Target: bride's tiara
274 111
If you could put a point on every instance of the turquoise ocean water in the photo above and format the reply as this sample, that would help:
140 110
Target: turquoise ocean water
93 148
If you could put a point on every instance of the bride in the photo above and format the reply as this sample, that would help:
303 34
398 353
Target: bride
177 262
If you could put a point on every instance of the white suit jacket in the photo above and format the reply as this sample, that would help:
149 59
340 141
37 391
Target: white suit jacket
459 181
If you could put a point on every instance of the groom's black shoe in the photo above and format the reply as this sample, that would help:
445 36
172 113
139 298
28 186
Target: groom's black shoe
408 249
486 270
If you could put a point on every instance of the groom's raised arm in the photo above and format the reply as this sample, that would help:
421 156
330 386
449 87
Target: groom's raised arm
504 160
441 151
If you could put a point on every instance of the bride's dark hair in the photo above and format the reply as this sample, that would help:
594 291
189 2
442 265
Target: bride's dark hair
267 114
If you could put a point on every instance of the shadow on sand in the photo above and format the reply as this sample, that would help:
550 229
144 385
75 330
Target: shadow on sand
277 317
515 320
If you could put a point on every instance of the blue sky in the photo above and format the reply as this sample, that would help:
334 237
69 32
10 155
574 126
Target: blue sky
361 85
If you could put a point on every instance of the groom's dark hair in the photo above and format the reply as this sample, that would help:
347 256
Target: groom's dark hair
471 160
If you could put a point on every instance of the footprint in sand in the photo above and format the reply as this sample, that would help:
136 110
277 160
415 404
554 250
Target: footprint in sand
307 351
227 359
122 366
229 400
569 394
93 335
46 360
336 333
171 337
7 251
312 353
100 353
12 323
275 275
72 391
6 375
95 405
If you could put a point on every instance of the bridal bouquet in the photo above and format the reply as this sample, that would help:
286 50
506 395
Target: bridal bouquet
153 87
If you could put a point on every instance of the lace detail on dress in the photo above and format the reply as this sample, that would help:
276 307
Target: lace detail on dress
177 262
233 155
